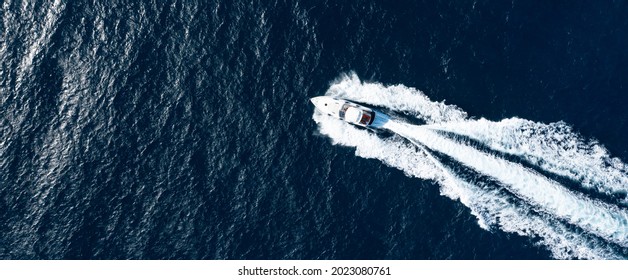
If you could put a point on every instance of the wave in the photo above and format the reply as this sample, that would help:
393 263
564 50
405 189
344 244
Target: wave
397 98
552 147
569 223
607 221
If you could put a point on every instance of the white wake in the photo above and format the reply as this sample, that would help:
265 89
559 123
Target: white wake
552 147
568 222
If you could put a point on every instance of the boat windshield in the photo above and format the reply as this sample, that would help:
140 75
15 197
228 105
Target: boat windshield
343 110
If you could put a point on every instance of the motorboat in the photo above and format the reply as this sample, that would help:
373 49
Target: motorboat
344 110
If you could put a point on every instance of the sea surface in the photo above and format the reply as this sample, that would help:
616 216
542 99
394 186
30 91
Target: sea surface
183 130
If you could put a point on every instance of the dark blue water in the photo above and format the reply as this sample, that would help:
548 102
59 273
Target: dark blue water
183 130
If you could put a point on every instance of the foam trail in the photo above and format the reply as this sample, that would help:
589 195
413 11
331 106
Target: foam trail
606 221
398 98
491 208
552 147
392 152
568 222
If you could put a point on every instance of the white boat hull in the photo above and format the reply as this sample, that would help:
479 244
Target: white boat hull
344 110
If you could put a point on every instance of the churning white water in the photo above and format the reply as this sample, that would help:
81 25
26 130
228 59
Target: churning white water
569 222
